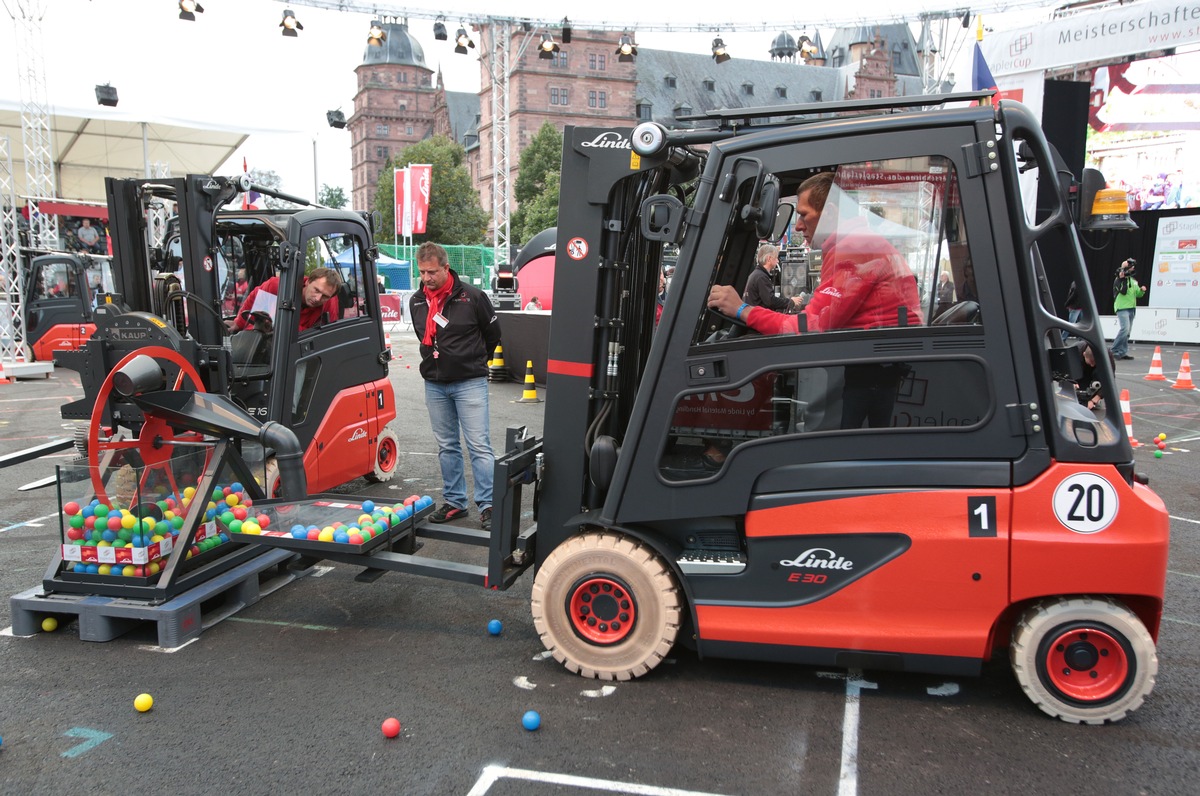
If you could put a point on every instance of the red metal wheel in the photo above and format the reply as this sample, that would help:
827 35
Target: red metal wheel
156 440
602 609
1086 663
387 456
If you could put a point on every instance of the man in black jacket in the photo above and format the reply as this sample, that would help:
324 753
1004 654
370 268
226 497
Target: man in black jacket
458 331
760 289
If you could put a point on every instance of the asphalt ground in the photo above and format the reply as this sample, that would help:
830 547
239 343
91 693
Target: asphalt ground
287 695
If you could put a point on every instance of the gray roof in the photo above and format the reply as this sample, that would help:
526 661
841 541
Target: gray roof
691 70
400 48
897 38
463 109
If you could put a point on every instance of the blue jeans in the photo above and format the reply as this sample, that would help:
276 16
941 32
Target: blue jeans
1120 346
462 405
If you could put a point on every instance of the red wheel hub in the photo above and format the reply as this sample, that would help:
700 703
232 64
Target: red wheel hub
602 609
1087 664
387 455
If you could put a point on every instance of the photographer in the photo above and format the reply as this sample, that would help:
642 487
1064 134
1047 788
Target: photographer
1126 292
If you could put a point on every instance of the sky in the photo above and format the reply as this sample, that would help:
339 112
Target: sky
232 66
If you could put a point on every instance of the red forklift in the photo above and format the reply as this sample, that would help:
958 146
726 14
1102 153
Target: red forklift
61 290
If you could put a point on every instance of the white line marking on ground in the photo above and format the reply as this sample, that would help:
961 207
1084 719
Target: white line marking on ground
543 655
168 650
35 523
491 774
8 631
1184 519
1184 574
521 681
318 571
604 691
945 689
1180 621
848 778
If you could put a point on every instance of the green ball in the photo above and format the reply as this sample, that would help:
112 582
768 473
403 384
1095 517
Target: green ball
235 526
101 510
227 517
177 522
76 521
1158 454
125 533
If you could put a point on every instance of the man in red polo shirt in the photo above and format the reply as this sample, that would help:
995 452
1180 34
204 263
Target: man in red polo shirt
319 299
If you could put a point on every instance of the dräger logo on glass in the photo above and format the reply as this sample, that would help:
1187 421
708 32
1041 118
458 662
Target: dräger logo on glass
818 558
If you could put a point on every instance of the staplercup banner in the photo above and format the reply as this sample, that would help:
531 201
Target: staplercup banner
412 199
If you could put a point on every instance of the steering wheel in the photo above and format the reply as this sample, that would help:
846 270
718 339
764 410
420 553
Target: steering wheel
156 440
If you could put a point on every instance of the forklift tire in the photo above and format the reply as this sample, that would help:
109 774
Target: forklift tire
1085 660
606 606
387 456
273 487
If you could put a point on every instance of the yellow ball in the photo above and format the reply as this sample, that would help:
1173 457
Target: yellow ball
251 527
189 491
143 702
129 570
1162 436
232 499
49 624
105 569
325 535
128 521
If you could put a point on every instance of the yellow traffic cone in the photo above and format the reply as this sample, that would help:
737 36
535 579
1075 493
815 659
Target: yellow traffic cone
529 396
497 370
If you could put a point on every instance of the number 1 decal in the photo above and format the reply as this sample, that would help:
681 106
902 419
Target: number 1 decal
981 516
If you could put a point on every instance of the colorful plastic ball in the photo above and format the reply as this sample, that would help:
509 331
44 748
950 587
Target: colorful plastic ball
263 520
129 570
411 499
101 510
251 527
71 508
240 512
49 624
76 533
76 521
189 492
341 537
391 728
105 569
326 535
368 506
1158 454
355 538
236 526
531 720
232 500
1162 436
143 702
93 569
495 627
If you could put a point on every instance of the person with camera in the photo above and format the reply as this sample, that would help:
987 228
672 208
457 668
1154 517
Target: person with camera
1126 292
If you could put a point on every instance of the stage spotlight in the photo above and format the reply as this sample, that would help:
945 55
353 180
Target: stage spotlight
106 95
566 31
548 47
289 23
462 41
336 119
188 9
439 30
626 49
377 35
718 50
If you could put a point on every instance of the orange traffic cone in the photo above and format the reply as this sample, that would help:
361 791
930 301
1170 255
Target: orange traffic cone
3 378
1125 413
1184 380
529 396
1156 373
387 340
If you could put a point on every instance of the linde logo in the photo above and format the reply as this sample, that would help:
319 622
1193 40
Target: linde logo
818 558
609 140
359 433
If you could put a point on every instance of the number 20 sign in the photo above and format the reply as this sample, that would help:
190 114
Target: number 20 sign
1085 503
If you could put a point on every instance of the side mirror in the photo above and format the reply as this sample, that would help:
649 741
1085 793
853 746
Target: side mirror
661 218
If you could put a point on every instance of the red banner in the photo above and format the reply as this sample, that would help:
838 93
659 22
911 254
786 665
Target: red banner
391 308
419 180
400 196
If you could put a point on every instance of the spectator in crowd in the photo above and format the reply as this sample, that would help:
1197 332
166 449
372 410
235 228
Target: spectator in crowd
945 293
760 286
1126 292
533 304
88 236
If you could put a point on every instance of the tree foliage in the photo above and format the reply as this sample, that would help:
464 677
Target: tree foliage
332 196
541 212
541 158
455 216
269 179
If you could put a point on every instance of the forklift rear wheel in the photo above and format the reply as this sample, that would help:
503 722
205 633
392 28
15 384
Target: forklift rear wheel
273 487
1084 660
387 456
606 606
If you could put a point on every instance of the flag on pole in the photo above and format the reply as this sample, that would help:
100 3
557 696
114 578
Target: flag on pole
420 176
981 75
402 202
250 198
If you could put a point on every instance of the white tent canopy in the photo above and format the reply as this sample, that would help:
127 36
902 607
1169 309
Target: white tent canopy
89 145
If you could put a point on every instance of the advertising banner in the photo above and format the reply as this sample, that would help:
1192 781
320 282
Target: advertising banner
400 190
419 178
1175 275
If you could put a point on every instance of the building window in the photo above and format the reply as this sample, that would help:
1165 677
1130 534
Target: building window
558 96
381 152
403 77
592 99
408 130
748 89
560 59
603 99
682 109
597 61
382 130
553 96
644 110
781 92
669 81
403 105
875 93
815 94
591 60
709 84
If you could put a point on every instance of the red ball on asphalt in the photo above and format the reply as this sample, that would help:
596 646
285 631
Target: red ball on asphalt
391 728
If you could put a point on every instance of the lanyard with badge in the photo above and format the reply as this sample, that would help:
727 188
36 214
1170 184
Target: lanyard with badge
441 322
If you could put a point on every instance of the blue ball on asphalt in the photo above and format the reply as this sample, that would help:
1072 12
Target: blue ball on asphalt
495 627
531 720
